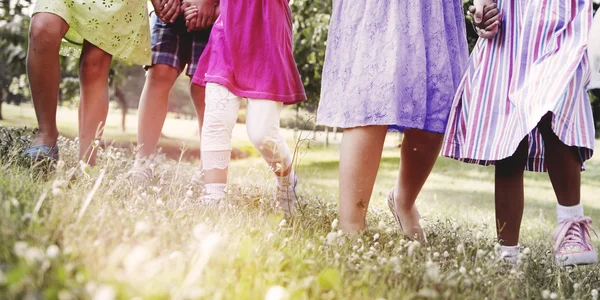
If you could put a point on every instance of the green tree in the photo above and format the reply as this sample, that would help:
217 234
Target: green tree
13 45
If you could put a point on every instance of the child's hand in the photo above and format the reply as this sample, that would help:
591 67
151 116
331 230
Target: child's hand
486 18
205 10
190 14
167 10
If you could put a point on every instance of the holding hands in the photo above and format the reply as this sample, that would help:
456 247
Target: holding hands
200 14
485 16
167 10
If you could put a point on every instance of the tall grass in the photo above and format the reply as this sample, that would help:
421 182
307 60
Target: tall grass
103 237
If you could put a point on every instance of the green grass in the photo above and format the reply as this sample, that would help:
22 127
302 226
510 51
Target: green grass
126 241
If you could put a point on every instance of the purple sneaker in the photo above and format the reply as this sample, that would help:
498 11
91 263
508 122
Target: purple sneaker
572 242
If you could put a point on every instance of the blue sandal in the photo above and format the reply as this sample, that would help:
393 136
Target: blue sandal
42 152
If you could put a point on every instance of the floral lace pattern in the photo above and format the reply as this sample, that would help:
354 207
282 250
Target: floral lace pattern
394 63
119 27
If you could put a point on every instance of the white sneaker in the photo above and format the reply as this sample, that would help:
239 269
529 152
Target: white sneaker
510 256
572 242
286 196
140 174
211 199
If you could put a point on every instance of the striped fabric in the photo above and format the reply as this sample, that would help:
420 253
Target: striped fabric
536 64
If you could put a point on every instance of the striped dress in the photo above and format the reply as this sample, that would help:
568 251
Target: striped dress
537 64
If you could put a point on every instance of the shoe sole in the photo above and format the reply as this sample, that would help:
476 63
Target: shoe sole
584 258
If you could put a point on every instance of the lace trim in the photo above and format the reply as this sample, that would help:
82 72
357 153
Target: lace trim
216 159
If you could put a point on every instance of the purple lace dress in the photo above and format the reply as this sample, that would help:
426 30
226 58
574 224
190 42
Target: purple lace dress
393 62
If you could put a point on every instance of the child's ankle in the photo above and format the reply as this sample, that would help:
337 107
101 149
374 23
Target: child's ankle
287 180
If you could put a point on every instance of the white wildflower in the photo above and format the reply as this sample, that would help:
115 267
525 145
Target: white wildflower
526 251
460 248
20 248
462 270
446 254
96 143
478 270
479 235
200 231
376 237
65 295
105 292
56 192
52 251
34 255
553 296
331 238
436 254
276 293
141 227
413 246
189 193
283 223
432 270
594 294
545 294
136 258
576 286
456 225
334 224
270 236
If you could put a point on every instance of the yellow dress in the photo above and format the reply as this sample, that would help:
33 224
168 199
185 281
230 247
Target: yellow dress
119 27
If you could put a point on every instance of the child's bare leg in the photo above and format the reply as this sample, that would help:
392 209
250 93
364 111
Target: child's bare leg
153 107
572 239
43 70
94 66
564 165
420 150
360 156
509 195
198 94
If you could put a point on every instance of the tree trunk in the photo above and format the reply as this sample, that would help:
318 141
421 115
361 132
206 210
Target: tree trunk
326 136
335 133
297 125
315 128
121 99
1 100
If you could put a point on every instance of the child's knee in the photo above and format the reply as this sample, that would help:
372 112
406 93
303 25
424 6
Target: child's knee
94 65
46 31
263 135
162 75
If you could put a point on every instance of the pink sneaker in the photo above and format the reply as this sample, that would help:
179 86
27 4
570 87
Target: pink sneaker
572 242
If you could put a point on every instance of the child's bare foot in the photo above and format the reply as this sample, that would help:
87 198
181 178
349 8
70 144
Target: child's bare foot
486 18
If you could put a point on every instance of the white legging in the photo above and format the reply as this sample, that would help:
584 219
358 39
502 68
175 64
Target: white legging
262 122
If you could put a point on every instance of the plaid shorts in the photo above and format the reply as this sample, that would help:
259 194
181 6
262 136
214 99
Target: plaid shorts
172 45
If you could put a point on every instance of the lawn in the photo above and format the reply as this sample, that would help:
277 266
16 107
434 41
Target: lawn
102 237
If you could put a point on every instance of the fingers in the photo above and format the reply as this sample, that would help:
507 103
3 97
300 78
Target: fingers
190 13
479 7
171 11
489 22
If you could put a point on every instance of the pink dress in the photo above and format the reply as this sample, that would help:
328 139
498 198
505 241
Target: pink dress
250 52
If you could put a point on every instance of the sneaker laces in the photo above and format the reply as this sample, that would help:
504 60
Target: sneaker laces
574 232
